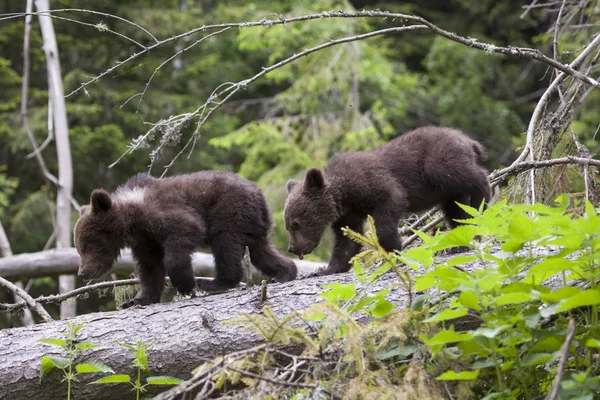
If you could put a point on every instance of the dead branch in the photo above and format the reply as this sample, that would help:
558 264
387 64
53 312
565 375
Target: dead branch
522 166
31 303
555 391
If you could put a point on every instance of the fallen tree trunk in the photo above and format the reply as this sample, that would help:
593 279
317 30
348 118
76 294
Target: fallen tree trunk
66 261
183 333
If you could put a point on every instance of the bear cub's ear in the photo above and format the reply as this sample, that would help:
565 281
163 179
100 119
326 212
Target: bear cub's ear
84 209
291 184
100 201
314 179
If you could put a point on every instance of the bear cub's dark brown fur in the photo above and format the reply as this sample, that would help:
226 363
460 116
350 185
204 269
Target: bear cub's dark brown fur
425 167
164 220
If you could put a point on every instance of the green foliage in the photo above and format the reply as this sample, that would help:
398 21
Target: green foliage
522 321
8 186
510 348
70 344
140 362
73 347
349 97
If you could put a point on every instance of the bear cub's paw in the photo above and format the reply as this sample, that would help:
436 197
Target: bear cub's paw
137 301
184 282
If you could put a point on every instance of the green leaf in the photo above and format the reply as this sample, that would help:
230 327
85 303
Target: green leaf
549 343
539 358
87 368
459 236
468 299
521 227
588 297
468 209
490 332
593 343
382 308
338 292
86 345
359 271
458 376
163 380
58 362
446 336
513 298
46 365
55 342
403 351
461 259
560 294
419 301
119 378
77 328
448 314
417 257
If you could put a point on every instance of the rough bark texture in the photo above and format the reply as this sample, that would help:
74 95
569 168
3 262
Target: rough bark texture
66 261
183 332
63 150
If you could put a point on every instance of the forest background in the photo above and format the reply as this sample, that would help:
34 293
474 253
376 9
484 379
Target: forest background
355 96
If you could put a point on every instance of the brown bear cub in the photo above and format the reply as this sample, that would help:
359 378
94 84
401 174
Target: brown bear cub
164 220
425 167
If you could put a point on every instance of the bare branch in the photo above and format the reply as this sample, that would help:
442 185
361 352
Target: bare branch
234 88
171 58
513 51
555 391
59 298
50 12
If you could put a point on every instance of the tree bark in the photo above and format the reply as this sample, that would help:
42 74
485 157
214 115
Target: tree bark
66 261
66 283
183 332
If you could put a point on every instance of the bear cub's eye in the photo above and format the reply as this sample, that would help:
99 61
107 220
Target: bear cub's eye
295 225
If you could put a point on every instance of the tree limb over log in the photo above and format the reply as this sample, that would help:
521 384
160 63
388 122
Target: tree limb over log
66 261
184 333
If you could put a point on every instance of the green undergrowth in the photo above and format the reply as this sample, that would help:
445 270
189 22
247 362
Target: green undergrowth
71 371
488 324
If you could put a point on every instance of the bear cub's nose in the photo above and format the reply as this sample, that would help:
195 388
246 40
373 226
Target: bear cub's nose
81 273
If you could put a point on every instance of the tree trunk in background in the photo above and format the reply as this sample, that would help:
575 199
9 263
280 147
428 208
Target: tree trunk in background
6 251
65 169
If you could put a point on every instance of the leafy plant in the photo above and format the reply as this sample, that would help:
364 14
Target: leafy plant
496 331
140 362
72 347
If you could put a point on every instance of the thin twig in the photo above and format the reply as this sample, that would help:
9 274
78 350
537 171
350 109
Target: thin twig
430 225
528 8
29 14
262 378
27 298
513 51
73 293
555 391
171 58
233 89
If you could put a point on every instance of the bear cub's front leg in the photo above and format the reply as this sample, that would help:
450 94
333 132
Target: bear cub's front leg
180 271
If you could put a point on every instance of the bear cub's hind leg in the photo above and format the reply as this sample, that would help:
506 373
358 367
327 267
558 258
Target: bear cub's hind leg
228 255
